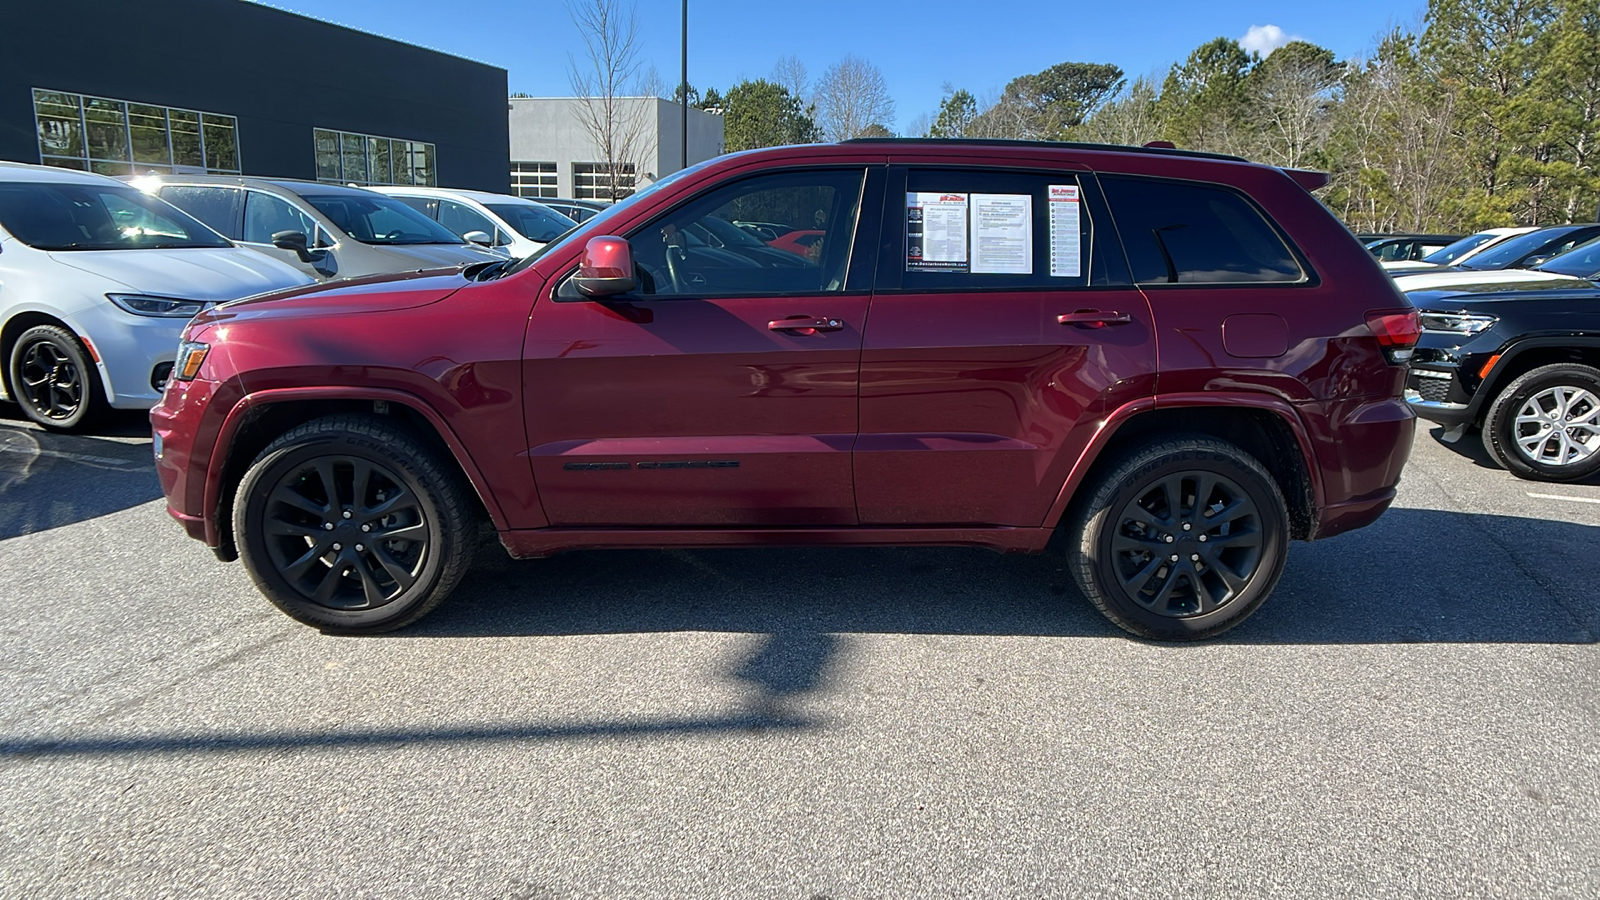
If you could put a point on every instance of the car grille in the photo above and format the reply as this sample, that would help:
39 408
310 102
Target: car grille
1434 390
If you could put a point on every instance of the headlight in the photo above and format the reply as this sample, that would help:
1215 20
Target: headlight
190 355
1456 323
162 307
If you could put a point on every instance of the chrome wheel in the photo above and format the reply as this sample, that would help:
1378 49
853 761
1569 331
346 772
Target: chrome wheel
1187 545
1559 426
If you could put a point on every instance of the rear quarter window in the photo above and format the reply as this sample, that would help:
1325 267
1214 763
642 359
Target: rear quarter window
1179 232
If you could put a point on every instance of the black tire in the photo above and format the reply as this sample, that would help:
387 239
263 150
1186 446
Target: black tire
1125 566
282 518
53 378
1557 440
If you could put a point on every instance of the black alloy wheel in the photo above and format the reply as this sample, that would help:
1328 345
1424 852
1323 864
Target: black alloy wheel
1182 540
53 378
350 524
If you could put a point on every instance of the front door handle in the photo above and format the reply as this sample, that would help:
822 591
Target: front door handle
1094 318
805 324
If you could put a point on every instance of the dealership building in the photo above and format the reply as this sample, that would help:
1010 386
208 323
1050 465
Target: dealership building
554 152
226 86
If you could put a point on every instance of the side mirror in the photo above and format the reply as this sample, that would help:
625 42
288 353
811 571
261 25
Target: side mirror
294 241
481 238
606 269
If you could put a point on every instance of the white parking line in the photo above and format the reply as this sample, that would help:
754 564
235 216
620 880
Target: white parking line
74 457
1568 499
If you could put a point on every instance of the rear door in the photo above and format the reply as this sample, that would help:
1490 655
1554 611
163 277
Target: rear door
722 392
1004 328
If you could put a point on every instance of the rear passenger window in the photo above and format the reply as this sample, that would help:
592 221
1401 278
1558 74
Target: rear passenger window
1190 233
218 207
967 229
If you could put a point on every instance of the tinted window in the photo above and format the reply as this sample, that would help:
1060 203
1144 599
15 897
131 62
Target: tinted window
218 207
1184 232
461 218
377 219
1515 250
425 205
972 228
266 215
685 252
1582 261
1452 252
534 222
92 217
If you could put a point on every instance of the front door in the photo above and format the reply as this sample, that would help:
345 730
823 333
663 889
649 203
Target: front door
722 391
1004 330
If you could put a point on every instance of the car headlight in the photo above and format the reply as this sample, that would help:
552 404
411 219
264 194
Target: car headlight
190 355
160 307
1456 323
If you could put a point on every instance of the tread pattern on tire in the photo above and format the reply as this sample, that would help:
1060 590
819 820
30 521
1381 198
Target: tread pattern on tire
457 529
1090 515
1508 400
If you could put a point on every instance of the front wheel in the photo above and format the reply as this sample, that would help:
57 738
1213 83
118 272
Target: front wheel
1181 540
53 378
352 525
1545 425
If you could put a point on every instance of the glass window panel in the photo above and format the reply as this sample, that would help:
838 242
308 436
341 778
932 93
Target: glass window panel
424 174
354 150
106 124
460 218
147 129
60 130
327 143
1190 232
103 167
215 206
266 215
378 160
58 162
400 153
222 142
185 138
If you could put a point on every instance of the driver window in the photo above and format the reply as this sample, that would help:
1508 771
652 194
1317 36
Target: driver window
265 215
784 233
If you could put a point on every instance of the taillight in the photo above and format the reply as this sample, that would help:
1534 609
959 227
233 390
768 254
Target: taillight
1397 331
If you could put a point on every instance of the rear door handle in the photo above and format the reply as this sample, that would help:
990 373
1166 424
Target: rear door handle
805 324
1094 318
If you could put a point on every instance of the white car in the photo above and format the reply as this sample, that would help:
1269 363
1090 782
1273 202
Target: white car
1464 249
511 225
1467 278
97 281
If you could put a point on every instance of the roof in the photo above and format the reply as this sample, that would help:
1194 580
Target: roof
1062 145
423 191
15 171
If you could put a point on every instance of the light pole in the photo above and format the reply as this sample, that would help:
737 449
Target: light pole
683 84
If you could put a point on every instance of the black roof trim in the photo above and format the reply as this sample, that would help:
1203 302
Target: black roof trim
1052 145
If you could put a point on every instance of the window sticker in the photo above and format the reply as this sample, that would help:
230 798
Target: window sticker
1065 231
1002 234
936 232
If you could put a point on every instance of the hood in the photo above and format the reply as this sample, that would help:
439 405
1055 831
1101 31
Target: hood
1467 278
371 293
1393 264
214 274
1584 299
434 256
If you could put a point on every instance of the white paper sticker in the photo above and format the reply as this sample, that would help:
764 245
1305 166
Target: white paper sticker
1065 231
1002 233
936 232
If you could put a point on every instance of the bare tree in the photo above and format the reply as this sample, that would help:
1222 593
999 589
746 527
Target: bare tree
852 96
791 75
606 83
1131 118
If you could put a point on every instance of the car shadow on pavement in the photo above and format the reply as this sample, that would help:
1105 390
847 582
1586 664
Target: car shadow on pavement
1470 446
48 480
1414 576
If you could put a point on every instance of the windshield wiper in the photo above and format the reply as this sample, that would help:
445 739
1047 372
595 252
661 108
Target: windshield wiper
486 271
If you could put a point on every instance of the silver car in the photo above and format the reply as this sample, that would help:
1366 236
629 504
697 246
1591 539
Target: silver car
325 230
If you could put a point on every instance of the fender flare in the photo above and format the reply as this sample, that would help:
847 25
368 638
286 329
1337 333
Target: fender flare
274 396
1496 379
1124 414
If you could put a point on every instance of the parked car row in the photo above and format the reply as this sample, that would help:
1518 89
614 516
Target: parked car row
97 276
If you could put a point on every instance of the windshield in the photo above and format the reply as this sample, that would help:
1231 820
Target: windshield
598 224
64 216
1449 253
1582 261
532 221
1509 252
378 219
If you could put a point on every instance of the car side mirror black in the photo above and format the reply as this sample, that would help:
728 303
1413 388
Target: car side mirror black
294 241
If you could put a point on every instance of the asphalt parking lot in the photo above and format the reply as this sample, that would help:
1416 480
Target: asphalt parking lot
1413 714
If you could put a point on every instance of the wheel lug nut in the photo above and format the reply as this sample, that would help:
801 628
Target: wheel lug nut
347 514
1173 557
327 526
366 528
1194 557
1170 539
1187 526
338 547
359 548
1202 539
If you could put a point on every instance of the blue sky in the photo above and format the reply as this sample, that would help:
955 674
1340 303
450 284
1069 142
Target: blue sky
918 44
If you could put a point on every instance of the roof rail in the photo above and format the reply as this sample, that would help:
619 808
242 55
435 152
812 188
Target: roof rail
1062 145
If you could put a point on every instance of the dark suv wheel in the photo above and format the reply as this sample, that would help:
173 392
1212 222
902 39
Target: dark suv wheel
351 524
1545 425
1181 540
53 378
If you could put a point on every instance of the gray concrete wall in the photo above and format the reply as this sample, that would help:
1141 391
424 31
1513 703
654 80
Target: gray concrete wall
547 129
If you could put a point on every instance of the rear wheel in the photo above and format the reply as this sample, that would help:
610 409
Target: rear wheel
53 378
352 525
1545 425
1182 540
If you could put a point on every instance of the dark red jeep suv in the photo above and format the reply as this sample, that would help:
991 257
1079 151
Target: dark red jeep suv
1182 360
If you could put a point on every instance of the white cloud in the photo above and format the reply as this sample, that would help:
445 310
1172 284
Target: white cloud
1264 39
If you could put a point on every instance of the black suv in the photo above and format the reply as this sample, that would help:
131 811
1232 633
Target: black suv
1524 364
